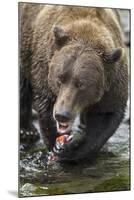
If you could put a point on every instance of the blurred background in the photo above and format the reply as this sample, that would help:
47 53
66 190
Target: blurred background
125 20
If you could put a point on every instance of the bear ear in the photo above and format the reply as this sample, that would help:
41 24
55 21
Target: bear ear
114 55
61 36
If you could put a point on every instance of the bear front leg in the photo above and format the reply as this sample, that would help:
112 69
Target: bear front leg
44 104
28 133
48 129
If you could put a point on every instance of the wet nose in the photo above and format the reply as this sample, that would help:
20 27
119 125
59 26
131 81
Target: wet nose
62 116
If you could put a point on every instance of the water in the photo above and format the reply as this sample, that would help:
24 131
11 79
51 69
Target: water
109 172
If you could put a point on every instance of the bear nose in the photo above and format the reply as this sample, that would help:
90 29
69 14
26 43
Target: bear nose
62 116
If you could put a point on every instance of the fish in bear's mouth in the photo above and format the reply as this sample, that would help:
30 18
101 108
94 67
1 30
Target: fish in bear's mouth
63 136
64 132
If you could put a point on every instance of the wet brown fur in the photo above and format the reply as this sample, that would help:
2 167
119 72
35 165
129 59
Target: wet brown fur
96 29
99 27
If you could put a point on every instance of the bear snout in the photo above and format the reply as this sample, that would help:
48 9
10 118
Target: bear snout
63 121
62 116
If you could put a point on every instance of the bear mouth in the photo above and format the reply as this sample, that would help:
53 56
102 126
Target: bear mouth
63 127
64 135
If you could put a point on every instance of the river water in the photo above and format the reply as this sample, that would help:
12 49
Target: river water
109 172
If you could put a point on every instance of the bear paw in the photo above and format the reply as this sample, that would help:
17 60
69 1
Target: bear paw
28 137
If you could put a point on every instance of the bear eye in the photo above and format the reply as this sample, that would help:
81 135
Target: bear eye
61 78
79 84
58 83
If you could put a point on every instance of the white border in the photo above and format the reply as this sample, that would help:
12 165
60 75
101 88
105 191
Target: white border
102 3
9 99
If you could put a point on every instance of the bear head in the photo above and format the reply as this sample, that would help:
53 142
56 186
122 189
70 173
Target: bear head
76 77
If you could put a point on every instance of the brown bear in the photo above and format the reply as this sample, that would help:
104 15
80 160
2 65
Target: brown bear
73 69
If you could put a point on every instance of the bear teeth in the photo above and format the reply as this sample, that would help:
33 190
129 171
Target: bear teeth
62 127
63 124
